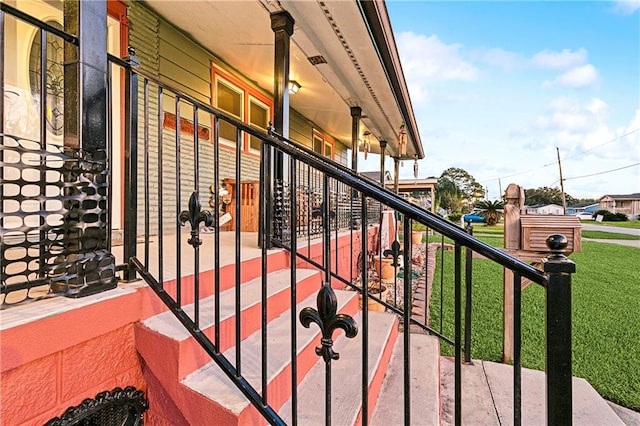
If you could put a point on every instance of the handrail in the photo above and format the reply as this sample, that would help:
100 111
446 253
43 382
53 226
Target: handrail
393 200
38 23
373 190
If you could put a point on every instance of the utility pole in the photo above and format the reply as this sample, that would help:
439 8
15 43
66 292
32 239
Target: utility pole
564 198
500 186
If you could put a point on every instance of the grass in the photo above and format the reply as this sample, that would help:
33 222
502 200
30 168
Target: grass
492 230
601 235
606 331
633 224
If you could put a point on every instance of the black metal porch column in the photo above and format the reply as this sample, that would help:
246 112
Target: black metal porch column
282 27
356 114
86 243
85 74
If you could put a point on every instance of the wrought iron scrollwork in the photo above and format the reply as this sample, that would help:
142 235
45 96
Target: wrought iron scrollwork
194 216
118 406
326 318
395 252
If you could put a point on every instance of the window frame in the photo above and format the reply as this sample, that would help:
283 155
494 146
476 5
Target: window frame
249 94
267 107
326 141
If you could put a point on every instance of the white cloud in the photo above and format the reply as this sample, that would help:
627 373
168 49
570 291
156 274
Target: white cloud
583 127
626 7
427 60
564 59
582 76
503 58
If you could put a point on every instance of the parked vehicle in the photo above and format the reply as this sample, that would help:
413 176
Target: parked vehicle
584 216
473 217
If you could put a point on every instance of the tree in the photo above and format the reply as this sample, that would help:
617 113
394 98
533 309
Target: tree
449 196
458 190
490 210
545 195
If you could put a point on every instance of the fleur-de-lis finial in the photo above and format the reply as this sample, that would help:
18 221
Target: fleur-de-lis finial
395 252
326 318
194 216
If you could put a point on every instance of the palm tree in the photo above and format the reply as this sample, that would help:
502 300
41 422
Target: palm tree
491 211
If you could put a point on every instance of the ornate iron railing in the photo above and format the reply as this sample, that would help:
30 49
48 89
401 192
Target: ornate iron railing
171 199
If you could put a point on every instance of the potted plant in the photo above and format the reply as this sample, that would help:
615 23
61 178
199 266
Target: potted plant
378 290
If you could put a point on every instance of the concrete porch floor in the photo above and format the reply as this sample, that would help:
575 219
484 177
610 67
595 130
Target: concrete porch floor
45 304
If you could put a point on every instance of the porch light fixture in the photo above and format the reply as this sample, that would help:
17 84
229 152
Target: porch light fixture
415 167
402 140
294 87
366 143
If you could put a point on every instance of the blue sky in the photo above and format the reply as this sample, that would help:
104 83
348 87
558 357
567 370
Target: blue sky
497 86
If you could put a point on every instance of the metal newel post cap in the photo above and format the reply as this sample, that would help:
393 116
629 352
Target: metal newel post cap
557 243
557 261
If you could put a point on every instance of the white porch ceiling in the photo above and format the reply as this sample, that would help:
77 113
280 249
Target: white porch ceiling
239 32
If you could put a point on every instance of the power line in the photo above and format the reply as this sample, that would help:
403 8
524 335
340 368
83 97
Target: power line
599 146
604 172
565 158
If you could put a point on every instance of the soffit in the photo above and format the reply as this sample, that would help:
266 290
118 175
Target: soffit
239 33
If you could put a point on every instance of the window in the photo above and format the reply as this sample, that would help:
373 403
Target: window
322 144
55 78
243 102
259 114
229 98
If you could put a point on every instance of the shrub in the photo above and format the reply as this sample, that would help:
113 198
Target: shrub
621 217
607 216
455 216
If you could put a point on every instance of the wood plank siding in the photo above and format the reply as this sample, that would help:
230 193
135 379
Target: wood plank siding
167 53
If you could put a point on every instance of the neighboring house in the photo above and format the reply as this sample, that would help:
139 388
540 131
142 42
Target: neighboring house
375 176
628 204
582 207
544 209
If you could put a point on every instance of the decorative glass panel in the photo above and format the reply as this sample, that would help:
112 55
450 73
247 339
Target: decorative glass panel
55 79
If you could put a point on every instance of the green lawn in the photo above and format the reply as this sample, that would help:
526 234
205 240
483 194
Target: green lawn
601 235
493 230
606 322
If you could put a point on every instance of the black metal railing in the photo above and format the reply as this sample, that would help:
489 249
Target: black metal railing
168 199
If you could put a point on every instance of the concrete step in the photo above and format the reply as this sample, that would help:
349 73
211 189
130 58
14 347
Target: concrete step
487 397
165 330
227 403
425 384
169 351
346 392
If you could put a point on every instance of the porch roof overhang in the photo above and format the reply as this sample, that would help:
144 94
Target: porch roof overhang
417 185
352 40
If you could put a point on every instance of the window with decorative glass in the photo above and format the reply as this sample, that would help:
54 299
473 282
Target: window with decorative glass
243 102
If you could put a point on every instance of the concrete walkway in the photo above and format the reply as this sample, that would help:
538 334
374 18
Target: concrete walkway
613 229
487 397
630 243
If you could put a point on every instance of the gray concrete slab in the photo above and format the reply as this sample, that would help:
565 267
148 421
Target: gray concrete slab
630 243
477 401
587 226
425 381
629 417
589 408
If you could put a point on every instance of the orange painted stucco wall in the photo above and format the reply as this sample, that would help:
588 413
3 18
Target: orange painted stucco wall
56 362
